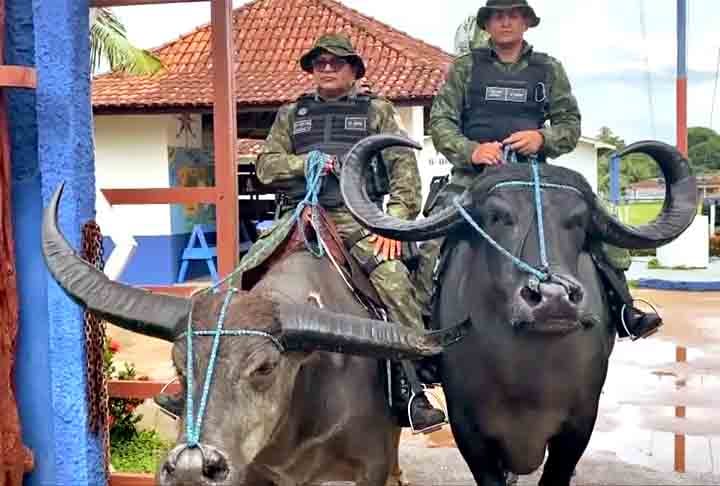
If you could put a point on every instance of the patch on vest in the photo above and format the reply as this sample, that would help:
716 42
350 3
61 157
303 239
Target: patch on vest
302 126
358 123
513 95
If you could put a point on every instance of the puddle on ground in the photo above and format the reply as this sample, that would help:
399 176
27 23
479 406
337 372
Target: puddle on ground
637 419
645 384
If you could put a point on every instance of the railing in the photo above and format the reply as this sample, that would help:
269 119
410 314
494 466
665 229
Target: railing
142 390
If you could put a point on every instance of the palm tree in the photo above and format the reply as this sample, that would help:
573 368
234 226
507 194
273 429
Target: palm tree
468 36
464 35
109 44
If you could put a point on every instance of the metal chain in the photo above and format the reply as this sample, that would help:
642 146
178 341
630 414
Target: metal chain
92 252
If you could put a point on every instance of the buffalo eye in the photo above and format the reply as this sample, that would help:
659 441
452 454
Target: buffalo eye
265 369
498 211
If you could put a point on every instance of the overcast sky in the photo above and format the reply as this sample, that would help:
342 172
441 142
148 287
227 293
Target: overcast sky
612 66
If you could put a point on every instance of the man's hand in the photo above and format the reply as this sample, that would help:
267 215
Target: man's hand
527 142
488 154
330 165
385 247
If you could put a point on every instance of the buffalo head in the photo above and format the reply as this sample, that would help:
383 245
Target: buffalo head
254 375
502 205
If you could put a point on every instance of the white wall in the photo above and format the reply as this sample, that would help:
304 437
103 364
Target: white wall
584 160
431 164
132 152
691 249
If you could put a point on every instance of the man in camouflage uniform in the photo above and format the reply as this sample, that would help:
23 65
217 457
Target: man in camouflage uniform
472 122
352 114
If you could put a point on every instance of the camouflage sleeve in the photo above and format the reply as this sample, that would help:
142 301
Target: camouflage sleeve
563 133
277 166
445 116
405 192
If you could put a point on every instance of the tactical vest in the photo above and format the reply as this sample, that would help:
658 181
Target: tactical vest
333 128
499 103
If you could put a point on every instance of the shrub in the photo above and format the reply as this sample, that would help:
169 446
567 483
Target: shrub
122 418
140 453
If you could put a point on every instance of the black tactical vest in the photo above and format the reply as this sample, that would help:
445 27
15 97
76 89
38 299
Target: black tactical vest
499 104
333 128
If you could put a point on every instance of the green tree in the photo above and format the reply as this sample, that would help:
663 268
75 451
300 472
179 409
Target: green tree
468 36
109 44
464 35
704 150
633 168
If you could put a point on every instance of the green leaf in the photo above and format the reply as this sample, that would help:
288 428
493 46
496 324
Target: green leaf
109 42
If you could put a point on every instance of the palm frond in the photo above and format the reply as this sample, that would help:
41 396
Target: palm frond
464 35
108 41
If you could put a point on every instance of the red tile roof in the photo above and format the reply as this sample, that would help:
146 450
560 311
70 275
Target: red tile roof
269 38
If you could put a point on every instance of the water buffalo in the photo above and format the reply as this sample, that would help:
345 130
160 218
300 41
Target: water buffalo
282 408
528 376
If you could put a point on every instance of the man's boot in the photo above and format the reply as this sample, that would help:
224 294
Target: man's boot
638 324
629 320
423 417
173 405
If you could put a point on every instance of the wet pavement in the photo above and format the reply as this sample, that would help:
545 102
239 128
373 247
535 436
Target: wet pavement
635 436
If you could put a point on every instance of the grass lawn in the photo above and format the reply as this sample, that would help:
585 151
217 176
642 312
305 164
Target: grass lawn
639 213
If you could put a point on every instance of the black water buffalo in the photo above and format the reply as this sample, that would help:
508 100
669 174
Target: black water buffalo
528 377
280 410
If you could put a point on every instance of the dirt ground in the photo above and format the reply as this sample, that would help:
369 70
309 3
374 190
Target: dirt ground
634 438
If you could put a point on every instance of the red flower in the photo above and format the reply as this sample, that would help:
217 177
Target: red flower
113 346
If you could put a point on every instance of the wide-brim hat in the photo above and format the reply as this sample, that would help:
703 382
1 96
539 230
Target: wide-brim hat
484 13
337 44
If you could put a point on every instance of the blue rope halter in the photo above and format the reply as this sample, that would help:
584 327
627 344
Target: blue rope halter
193 423
541 273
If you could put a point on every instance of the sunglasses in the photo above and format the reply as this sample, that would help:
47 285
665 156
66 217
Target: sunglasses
335 63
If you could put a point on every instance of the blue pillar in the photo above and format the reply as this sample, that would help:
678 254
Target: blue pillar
615 179
52 142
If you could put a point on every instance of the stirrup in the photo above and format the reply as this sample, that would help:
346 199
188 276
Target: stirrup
630 335
163 409
431 428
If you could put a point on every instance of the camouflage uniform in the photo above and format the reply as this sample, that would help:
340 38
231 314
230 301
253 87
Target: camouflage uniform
560 136
278 167
313 123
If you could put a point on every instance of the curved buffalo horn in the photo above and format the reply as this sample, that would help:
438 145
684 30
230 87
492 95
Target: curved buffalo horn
354 191
679 207
130 308
307 328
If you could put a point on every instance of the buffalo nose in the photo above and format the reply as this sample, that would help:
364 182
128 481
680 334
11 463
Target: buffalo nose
554 297
194 466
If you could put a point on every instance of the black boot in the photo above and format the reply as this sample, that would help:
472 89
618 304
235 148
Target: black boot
424 418
173 405
639 324
629 320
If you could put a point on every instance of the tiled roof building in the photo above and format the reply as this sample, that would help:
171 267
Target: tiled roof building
269 38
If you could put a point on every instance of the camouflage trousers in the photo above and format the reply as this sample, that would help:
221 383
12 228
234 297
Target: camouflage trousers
391 279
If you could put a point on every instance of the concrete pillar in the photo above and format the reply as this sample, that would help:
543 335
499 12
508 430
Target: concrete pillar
51 143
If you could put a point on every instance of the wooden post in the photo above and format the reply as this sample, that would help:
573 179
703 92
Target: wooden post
682 145
224 135
15 458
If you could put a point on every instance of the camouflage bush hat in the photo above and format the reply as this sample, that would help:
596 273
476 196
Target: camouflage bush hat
337 44
484 13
